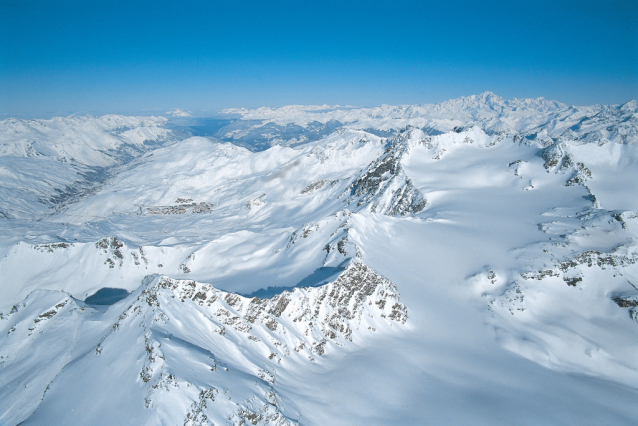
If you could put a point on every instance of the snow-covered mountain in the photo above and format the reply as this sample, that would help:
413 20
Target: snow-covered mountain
46 162
532 118
474 261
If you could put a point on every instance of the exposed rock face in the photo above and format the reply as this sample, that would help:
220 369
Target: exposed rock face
309 321
305 319
580 176
52 247
211 352
621 257
314 186
571 266
558 158
112 247
628 301
116 251
384 187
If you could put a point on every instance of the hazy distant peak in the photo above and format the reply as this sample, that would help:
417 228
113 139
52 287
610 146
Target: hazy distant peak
179 113
286 109
629 106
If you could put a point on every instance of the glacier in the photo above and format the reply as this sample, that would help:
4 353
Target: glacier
473 261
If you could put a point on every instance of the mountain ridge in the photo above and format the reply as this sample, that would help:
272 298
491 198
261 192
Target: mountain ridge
510 236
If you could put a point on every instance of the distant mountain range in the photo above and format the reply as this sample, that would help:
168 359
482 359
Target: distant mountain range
469 262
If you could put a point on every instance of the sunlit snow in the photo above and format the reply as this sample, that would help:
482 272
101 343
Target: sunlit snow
470 262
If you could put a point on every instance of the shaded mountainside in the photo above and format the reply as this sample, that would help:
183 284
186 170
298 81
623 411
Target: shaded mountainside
181 340
46 164
272 247
384 187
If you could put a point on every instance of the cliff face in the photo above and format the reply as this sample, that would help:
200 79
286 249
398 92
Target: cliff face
151 279
179 341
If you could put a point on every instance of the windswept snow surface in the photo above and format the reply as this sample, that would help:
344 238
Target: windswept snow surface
471 262
46 162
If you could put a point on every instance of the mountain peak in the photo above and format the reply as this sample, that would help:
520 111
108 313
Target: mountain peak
629 106
488 96
261 271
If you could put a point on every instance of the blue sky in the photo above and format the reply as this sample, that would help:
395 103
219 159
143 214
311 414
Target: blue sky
60 57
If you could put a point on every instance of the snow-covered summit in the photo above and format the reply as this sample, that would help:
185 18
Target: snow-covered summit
485 105
324 265
45 162
294 124
186 337
86 140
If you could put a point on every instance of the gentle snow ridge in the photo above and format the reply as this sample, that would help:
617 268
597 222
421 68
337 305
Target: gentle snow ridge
271 255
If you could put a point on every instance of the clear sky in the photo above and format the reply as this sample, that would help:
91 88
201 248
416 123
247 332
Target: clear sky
68 56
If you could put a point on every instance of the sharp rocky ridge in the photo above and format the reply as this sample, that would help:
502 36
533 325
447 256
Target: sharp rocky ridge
147 338
322 265
384 187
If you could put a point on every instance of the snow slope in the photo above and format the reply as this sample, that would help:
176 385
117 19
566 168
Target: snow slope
533 118
44 163
482 273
